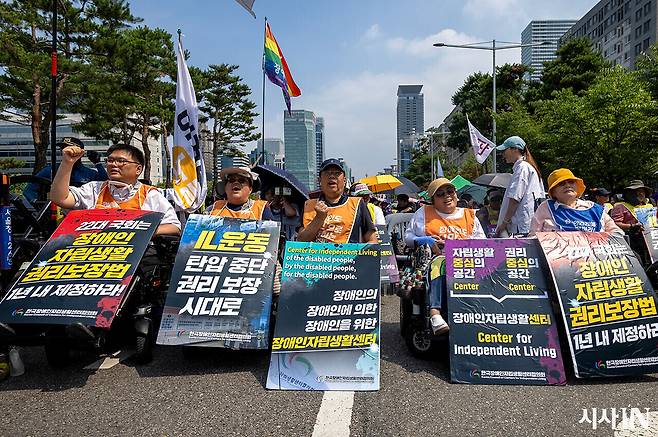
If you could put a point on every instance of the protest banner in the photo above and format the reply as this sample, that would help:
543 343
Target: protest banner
220 293
502 329
647 216
608 305
84 270
389 273
327 331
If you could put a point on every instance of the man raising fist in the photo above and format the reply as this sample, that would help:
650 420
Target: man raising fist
123 190
335 217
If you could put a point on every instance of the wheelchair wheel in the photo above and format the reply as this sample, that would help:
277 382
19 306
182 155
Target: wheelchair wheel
419 342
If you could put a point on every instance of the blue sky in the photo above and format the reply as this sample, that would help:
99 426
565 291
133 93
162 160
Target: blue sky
348 56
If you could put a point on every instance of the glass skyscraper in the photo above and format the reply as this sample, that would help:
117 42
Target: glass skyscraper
301 151
319 141
411 122
540 31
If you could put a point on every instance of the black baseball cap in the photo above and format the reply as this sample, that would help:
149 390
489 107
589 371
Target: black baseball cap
70 141
329 163
601 192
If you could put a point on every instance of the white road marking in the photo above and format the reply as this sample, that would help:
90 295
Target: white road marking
640 429
335 414
111 360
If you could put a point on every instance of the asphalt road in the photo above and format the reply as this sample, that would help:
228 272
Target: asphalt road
222 393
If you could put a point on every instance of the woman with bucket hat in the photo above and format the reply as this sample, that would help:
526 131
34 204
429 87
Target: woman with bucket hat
524 190
431 226
566 211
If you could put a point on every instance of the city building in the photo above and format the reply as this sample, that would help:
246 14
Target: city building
410 122
548 32
226 161
300 146
319 141
255 155
273 148
453 157
16 142
619 29
348 171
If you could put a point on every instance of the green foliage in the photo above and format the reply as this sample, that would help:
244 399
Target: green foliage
420 170
225 100
131 92
9 163
86 31
576 67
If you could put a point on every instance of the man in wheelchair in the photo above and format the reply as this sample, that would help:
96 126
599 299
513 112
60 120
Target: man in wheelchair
430 227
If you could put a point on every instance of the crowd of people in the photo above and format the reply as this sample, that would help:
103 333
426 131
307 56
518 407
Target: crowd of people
341 216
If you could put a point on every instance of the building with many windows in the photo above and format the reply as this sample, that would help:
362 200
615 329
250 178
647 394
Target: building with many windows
319 141
299 133
16 142
410 122
619 29
547 33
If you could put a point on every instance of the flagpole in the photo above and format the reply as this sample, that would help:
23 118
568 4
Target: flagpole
262 132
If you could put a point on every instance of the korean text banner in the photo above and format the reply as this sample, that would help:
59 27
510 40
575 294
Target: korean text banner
390 273
502 329
221 285
84 270
607 302
327 331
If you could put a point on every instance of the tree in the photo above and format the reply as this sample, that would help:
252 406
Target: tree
647 70
9 163
225 101
25 35
131 96
475 98
420 170
607 136
576 67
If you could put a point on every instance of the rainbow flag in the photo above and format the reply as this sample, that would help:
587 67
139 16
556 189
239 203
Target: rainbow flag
277 69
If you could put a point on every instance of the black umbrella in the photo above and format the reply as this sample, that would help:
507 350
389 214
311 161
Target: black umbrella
271 177
407 187
498 180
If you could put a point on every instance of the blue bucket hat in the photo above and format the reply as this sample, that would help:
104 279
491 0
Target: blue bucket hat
512 142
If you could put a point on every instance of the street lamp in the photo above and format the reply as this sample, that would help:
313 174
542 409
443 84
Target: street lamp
492 48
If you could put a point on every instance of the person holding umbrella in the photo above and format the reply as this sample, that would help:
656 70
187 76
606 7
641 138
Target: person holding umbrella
524 189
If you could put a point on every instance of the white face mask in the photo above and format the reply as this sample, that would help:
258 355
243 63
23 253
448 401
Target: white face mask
120 188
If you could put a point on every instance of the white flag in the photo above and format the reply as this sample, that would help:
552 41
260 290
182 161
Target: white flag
439 169
186 157
482 147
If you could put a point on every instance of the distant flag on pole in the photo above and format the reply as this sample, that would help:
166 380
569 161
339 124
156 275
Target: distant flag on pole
187 169
248 5
439 169
277 69
482 146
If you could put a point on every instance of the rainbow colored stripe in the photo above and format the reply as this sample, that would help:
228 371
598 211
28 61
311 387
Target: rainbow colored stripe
277 69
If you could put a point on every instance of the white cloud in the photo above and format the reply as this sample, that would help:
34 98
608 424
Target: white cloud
360 111
374 32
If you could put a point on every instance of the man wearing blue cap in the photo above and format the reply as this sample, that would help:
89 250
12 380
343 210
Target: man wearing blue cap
334 217
524 190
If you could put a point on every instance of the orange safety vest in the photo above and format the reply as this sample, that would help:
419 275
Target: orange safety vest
106 200
338 225
220 208
446 229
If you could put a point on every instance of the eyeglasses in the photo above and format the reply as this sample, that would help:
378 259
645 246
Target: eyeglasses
448 192
120 162
238 179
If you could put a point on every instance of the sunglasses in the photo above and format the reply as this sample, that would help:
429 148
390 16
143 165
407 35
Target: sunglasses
237 179
448 192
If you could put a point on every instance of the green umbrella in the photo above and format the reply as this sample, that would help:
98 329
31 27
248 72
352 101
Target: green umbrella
459 182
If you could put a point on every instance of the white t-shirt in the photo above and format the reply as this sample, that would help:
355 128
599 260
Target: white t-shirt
87 195
525 187
417 226
379 216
